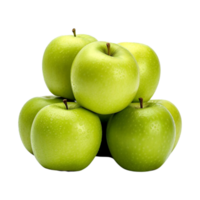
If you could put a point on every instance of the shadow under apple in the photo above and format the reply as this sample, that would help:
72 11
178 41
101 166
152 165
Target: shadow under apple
104 150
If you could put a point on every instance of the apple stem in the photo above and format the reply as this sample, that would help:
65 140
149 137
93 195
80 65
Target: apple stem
108 47
141 102
65 102
74 32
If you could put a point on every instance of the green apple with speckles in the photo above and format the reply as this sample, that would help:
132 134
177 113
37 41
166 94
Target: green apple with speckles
57 61
149 67
65 137
104 77
175 114
141 137
27 115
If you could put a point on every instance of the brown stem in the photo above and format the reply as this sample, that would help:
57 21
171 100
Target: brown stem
108 47
65 102
141 102
74 32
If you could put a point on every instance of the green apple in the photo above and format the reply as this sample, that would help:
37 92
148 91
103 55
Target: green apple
175 114
104 77
141 137
57 61
65 138
149 67
28 113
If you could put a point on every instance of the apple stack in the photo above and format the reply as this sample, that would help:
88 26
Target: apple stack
101 107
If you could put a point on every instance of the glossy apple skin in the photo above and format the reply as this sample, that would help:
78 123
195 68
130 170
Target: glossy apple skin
27 115
141 139
102 83
175 114
66 140
149 67
57 61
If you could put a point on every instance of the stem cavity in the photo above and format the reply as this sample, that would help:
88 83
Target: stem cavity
74 32
108 47
141 102
65 102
